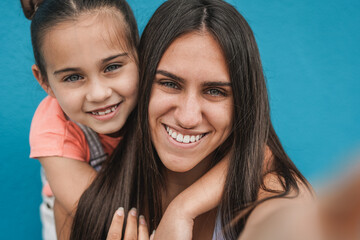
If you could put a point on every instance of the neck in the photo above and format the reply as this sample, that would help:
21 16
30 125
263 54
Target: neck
176 182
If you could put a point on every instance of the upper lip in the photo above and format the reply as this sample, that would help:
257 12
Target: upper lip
185 131
104 108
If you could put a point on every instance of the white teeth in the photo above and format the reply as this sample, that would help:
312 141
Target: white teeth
186 139
110 110
181 138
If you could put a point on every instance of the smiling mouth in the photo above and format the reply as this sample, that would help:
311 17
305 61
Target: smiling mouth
106 111
183 138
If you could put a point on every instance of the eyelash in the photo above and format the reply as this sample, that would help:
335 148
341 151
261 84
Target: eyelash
173 85
220 92
117 66
168 83
107 69
68 78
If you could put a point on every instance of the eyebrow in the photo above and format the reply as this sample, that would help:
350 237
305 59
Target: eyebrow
170 75
206 84
113 57
217 84
102 61
66 70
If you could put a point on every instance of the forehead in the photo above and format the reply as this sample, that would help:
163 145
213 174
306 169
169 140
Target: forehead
196 55
95 32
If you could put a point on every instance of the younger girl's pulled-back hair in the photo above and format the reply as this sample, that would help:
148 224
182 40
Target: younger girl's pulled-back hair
29 7
46 14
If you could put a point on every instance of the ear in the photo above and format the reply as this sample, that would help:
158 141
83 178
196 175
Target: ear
44 84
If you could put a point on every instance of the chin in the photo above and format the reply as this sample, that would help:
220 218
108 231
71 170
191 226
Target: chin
105 131
178 164
178 169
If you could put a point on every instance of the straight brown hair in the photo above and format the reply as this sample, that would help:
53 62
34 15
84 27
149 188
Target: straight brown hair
252 130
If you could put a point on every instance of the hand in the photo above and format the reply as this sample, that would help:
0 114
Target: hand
339 207
132 231
175 223
201 197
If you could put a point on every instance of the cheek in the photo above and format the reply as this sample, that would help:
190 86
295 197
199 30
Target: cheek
221 118
128 87
70 100
160 105
155 108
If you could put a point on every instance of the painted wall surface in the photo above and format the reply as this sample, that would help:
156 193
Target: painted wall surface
310 52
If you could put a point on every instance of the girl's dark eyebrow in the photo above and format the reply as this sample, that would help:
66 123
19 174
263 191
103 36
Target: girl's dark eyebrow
102 61
66 70
113 57
170 75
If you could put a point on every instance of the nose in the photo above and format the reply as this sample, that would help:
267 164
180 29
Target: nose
98 91
188 113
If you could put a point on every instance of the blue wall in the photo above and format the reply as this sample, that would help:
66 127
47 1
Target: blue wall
310 52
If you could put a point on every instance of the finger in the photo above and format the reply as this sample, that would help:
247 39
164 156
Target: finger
143 229
131 225
116 227
152 235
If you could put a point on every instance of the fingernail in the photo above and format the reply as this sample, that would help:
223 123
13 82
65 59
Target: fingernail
152 235
133 212
120 211
142 220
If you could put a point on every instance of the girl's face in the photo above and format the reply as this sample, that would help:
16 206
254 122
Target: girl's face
91 75
191 102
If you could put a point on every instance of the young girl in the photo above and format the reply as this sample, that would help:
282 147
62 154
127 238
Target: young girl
86 60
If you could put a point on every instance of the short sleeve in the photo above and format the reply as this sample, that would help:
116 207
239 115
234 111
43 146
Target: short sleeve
51 134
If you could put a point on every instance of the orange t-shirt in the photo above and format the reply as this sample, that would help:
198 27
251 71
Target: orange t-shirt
52 134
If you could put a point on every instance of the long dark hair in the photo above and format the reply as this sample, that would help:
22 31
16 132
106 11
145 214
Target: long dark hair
252 131
47 14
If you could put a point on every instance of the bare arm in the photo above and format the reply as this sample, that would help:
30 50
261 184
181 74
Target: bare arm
68 179
63 222
335 215
202 196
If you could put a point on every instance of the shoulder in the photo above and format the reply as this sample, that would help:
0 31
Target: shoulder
50 118
300 198
285 217
48 113
52 134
